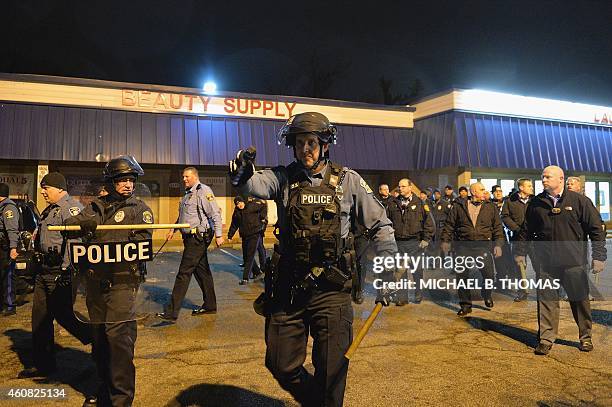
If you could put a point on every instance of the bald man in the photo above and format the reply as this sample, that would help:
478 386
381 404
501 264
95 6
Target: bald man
558 221
474 228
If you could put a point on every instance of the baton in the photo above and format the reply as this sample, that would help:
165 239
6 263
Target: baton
123 227
363 331
523 272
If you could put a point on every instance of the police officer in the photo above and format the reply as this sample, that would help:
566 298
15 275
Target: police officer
513 216
449 194
319 204
9 236
475 226
249 218
439 211
199 209
463 194
111 293
558 221
53 293
383 194
505 266
414 229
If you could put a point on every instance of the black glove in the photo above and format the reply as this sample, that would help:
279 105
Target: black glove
384 297
242 168
88 226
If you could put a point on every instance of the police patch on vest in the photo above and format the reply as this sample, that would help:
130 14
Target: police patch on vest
74 211
413 207
9 214
316 199
111 252
365 186
210 197
569 208
440 207
147 217
119 216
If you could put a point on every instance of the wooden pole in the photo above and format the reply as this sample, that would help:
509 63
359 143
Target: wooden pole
123 227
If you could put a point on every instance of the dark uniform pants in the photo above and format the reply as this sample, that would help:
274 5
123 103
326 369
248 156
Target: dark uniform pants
261 251
194 261
7 279
113 342
53 299
575 281
411 248
250 245
487 272
328 317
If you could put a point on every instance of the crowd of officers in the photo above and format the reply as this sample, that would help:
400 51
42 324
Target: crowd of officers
310 277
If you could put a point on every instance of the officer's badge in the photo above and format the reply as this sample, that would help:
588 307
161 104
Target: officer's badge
9 214
556 210
119 216
333 180
74 211
440 207
294 185
339 192
449 206
365 186
569 208
426 207
147 217
413 207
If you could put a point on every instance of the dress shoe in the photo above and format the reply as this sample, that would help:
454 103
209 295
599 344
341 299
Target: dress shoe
90 401
241 265
464 311
400 303
418 299
9 312
202 311
489 302
543 348
521 297
243 282
33 372
165 316
586 345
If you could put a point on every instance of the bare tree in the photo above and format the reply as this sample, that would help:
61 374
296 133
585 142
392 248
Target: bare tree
415 90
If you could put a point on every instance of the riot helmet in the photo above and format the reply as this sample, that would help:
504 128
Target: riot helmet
121 166
309 122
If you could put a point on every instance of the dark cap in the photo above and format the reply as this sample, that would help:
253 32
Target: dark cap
54 179
4 190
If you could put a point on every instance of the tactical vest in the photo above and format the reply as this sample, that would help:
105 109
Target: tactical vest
313 217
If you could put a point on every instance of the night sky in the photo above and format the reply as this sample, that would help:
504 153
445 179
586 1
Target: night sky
331 49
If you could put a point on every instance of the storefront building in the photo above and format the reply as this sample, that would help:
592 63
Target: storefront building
75 125
461 136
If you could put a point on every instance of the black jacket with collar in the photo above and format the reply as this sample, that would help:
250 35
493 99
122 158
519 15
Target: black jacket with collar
513 213
459 226
413 222
249 221
559 232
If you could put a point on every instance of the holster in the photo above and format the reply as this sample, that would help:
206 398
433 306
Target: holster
270 269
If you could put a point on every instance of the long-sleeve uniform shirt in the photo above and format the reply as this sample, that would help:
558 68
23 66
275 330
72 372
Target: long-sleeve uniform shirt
360 209
56 215
9 224
199 208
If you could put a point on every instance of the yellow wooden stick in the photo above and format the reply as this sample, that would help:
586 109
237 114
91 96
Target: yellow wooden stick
123 227
363 331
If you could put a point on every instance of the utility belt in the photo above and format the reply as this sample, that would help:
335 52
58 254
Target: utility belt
329 276
205 237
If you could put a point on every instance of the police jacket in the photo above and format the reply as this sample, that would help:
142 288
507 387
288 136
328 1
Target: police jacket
559 231
360 210
513 213
439 211
56 215
412 221
9 224
459 226
115 210
385 201
250 220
